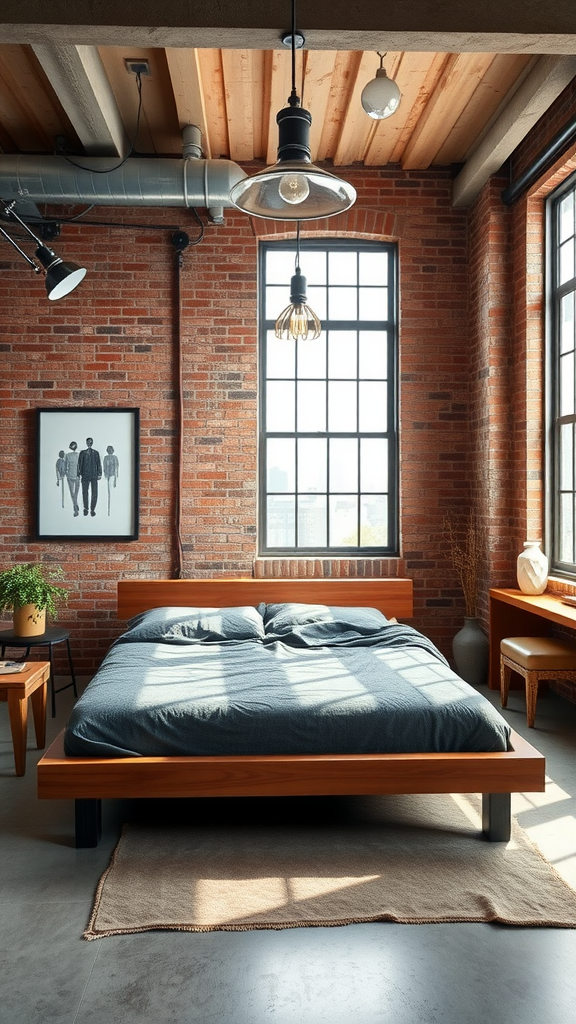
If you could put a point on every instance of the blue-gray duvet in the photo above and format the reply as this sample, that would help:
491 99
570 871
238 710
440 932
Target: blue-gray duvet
280 679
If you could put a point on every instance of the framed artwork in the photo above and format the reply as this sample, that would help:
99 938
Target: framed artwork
88 464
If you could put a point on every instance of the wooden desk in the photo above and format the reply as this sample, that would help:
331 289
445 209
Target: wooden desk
513 613
16 688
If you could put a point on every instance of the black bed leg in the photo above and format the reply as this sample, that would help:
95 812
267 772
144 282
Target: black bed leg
497 816
88 821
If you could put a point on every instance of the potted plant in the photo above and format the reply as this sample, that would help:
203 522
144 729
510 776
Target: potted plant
30 590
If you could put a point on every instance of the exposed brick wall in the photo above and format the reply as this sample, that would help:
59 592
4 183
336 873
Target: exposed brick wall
113 343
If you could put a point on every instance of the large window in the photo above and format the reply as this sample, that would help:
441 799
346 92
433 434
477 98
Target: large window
562 418
328 407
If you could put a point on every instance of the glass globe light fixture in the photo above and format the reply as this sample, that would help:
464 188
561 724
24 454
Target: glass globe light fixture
381 97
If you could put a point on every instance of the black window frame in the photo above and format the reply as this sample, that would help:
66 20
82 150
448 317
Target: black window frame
389 323
554 293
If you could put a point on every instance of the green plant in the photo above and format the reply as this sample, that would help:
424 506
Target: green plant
29 583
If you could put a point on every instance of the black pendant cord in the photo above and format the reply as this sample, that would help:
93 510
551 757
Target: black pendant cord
294 100
297 267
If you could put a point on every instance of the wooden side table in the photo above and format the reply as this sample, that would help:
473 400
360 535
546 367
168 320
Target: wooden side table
16 688
53 635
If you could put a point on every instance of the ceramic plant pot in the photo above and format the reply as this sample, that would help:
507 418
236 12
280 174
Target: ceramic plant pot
470 648
29 620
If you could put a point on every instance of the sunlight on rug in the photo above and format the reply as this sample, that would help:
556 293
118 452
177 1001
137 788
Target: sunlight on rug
409 859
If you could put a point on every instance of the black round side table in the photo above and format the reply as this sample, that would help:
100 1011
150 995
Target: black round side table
47 639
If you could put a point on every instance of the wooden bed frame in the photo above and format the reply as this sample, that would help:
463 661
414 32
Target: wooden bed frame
90 780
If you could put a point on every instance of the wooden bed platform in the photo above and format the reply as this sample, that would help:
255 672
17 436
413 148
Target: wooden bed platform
90 780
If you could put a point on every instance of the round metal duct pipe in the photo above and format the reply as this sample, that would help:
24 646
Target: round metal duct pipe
140 181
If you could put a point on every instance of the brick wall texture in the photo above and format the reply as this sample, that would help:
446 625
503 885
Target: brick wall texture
139 328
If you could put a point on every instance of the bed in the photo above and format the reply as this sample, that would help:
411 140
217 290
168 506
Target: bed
339 624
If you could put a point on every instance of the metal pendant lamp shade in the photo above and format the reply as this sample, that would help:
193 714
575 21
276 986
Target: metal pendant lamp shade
293 188
61 277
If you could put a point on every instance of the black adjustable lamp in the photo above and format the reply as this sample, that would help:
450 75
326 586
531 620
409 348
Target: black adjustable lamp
293 188
61 277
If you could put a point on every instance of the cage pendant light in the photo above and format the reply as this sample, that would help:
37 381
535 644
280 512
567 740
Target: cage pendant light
293 188
298 320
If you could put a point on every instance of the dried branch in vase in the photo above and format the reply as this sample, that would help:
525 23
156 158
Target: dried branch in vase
467 539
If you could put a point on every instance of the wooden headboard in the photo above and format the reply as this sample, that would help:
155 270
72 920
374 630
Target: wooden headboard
393 597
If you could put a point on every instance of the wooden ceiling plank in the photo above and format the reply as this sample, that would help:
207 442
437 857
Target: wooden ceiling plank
212 77
504 71
416 77
25 81
77 75
185 76
345 70
238 90
319 69
280 70
17 119
159 130
457 84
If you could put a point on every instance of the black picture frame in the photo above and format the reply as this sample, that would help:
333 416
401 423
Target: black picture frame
87 491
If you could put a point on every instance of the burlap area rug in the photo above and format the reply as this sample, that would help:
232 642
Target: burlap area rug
413 860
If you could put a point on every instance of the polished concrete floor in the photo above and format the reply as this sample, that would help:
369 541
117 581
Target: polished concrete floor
366 974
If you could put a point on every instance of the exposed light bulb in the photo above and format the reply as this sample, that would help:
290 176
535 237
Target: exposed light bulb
294 188
297 322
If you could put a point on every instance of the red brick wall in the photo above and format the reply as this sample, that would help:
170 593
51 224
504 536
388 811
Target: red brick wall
114 343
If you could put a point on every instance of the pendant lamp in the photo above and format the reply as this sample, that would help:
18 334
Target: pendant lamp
293 188
298 320
381 97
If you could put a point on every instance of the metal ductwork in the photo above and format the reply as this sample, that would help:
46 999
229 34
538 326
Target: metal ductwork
139 181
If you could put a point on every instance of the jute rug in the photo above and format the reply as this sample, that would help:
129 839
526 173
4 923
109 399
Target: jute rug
414 860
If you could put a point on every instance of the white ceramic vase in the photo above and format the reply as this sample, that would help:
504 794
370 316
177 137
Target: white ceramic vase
532 568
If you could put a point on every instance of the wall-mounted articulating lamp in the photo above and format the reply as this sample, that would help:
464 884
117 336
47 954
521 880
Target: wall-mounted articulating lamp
61 277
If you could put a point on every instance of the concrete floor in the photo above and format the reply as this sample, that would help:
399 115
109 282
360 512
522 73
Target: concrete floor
367 974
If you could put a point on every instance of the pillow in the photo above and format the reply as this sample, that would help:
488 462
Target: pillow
188 625
281 619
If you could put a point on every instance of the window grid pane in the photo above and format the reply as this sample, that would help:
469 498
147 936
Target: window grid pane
328 453
563 412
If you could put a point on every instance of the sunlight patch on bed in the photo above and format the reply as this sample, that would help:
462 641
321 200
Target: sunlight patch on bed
336 683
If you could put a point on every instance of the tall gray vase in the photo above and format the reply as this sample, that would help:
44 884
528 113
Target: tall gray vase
471 648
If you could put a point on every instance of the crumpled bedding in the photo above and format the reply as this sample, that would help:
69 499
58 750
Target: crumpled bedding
332 685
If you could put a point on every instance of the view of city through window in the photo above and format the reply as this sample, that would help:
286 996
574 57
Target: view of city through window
328 460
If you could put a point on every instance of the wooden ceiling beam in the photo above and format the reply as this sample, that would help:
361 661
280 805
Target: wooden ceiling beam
77 75
546 81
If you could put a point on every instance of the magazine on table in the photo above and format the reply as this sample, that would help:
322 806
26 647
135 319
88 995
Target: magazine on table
9 667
